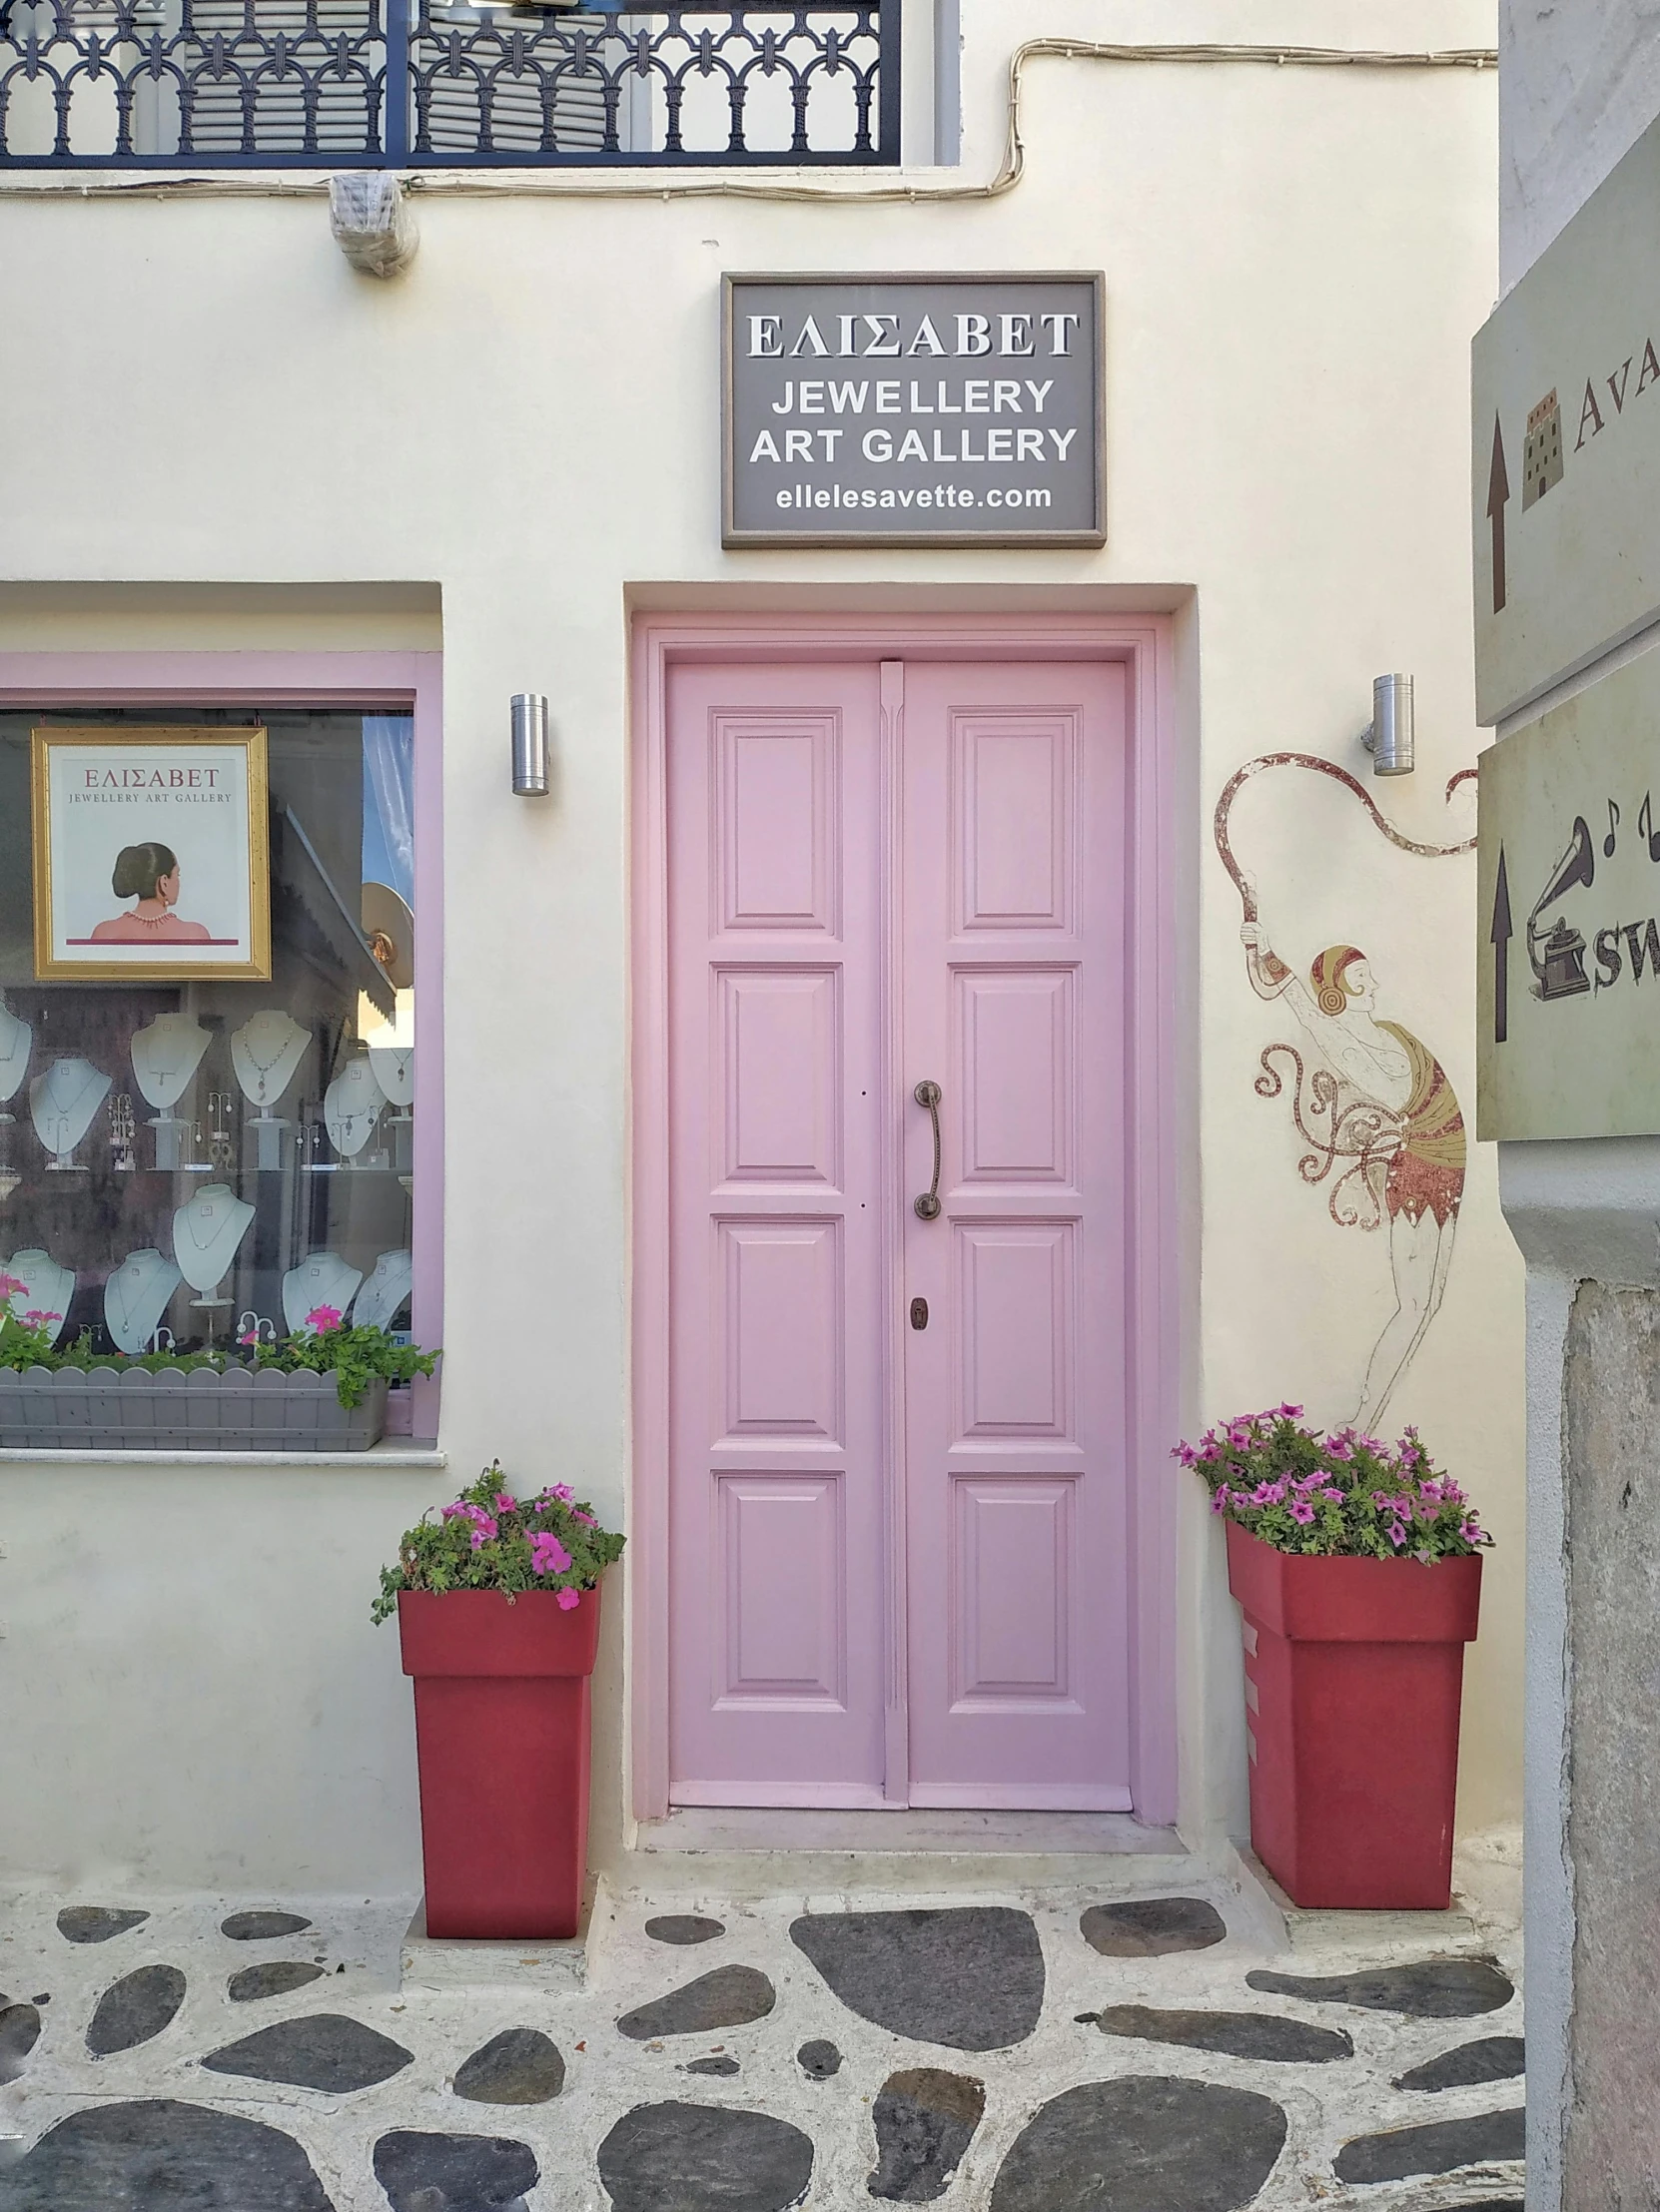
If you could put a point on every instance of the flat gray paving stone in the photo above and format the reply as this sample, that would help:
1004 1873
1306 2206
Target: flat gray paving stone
968 1976
134 2009
1439 2148
321 2050
704 2158
925 2120
520 2067
819 2059
684 1927
260 1927
1490 2058
1142 2144
728 1998
19 2033
161 2156
96 1924
424 2172
721 2065
1149 1928
1240 2035
274 1978
1427 1989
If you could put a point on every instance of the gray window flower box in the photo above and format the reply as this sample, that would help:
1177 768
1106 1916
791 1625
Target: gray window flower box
130 1409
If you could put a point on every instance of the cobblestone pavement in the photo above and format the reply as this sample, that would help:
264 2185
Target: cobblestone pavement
1050 2052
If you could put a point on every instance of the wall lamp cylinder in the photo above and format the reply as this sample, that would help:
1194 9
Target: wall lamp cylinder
1390 740
530 745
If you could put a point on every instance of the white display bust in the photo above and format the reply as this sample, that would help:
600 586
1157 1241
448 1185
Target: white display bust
322 1278
351 1107
393 1066
17 1040
266 1053
47 1288
206 1233
62 1103
136 1295
167 1055
388 1286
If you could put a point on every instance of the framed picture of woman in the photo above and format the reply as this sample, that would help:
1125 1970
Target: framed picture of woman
150 854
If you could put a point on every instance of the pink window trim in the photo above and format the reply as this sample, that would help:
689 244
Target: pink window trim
396 683
1144 644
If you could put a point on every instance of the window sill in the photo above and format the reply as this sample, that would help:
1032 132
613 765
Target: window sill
392 1452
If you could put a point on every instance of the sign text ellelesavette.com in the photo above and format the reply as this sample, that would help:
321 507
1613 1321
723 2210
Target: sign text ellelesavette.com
925 409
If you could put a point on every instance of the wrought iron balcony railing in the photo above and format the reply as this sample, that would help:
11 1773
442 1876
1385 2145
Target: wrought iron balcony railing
340 83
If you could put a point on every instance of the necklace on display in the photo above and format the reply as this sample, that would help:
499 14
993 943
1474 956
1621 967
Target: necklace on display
321 1279
351 1107
166 1057
136 1295
47 1288
206 1230
17 1042
62 1103
266 1053
387 1289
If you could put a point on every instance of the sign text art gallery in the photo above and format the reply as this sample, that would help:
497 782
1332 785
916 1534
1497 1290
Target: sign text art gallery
916 410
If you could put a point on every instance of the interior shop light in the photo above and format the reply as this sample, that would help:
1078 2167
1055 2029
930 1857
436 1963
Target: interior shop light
1388 738
530 713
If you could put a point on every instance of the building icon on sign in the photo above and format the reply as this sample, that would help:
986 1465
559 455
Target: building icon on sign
1542 453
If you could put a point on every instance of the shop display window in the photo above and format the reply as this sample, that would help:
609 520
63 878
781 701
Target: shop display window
185 1163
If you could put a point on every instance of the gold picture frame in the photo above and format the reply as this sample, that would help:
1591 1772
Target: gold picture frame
111 807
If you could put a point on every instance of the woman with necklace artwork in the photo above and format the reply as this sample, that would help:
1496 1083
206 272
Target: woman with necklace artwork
149 872
1373 1094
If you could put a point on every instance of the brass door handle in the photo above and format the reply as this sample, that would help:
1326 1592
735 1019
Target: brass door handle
928 1206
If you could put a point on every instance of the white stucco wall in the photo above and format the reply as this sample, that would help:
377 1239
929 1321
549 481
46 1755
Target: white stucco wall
1577 87
525 431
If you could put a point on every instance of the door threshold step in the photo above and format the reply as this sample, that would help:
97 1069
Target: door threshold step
790 1827
764 1852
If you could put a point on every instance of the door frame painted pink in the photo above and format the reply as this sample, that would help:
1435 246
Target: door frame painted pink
1144 644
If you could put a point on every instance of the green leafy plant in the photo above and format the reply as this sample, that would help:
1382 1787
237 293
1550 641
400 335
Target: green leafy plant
356 1357
1333 1496
491 1540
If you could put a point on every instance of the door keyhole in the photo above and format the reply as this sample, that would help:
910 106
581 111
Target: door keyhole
919 1313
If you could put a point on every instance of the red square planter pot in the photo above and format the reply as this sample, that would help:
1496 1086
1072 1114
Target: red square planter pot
1355 1674
501 1698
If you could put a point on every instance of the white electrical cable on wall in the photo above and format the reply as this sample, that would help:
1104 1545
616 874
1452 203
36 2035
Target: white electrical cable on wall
537 184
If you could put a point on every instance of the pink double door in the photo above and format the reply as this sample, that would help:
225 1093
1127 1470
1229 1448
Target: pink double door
897 1480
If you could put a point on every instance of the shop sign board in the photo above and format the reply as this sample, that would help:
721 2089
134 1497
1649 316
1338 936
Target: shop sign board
1568 918
1565 456
945 410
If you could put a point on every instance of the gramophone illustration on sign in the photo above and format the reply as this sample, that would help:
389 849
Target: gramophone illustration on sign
1558 950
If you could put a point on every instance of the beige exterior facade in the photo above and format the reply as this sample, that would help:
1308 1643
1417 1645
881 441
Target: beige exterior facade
222 440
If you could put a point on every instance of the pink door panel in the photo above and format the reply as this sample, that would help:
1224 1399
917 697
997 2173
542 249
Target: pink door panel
960 903
1015 924
777 1482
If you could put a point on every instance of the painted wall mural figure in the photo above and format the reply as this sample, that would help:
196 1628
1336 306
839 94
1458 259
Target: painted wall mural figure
1368 1099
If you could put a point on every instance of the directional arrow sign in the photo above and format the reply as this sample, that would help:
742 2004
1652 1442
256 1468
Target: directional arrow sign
1498 492
1500 938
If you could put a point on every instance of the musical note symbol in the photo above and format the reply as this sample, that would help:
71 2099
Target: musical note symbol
1613 825
1645 825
